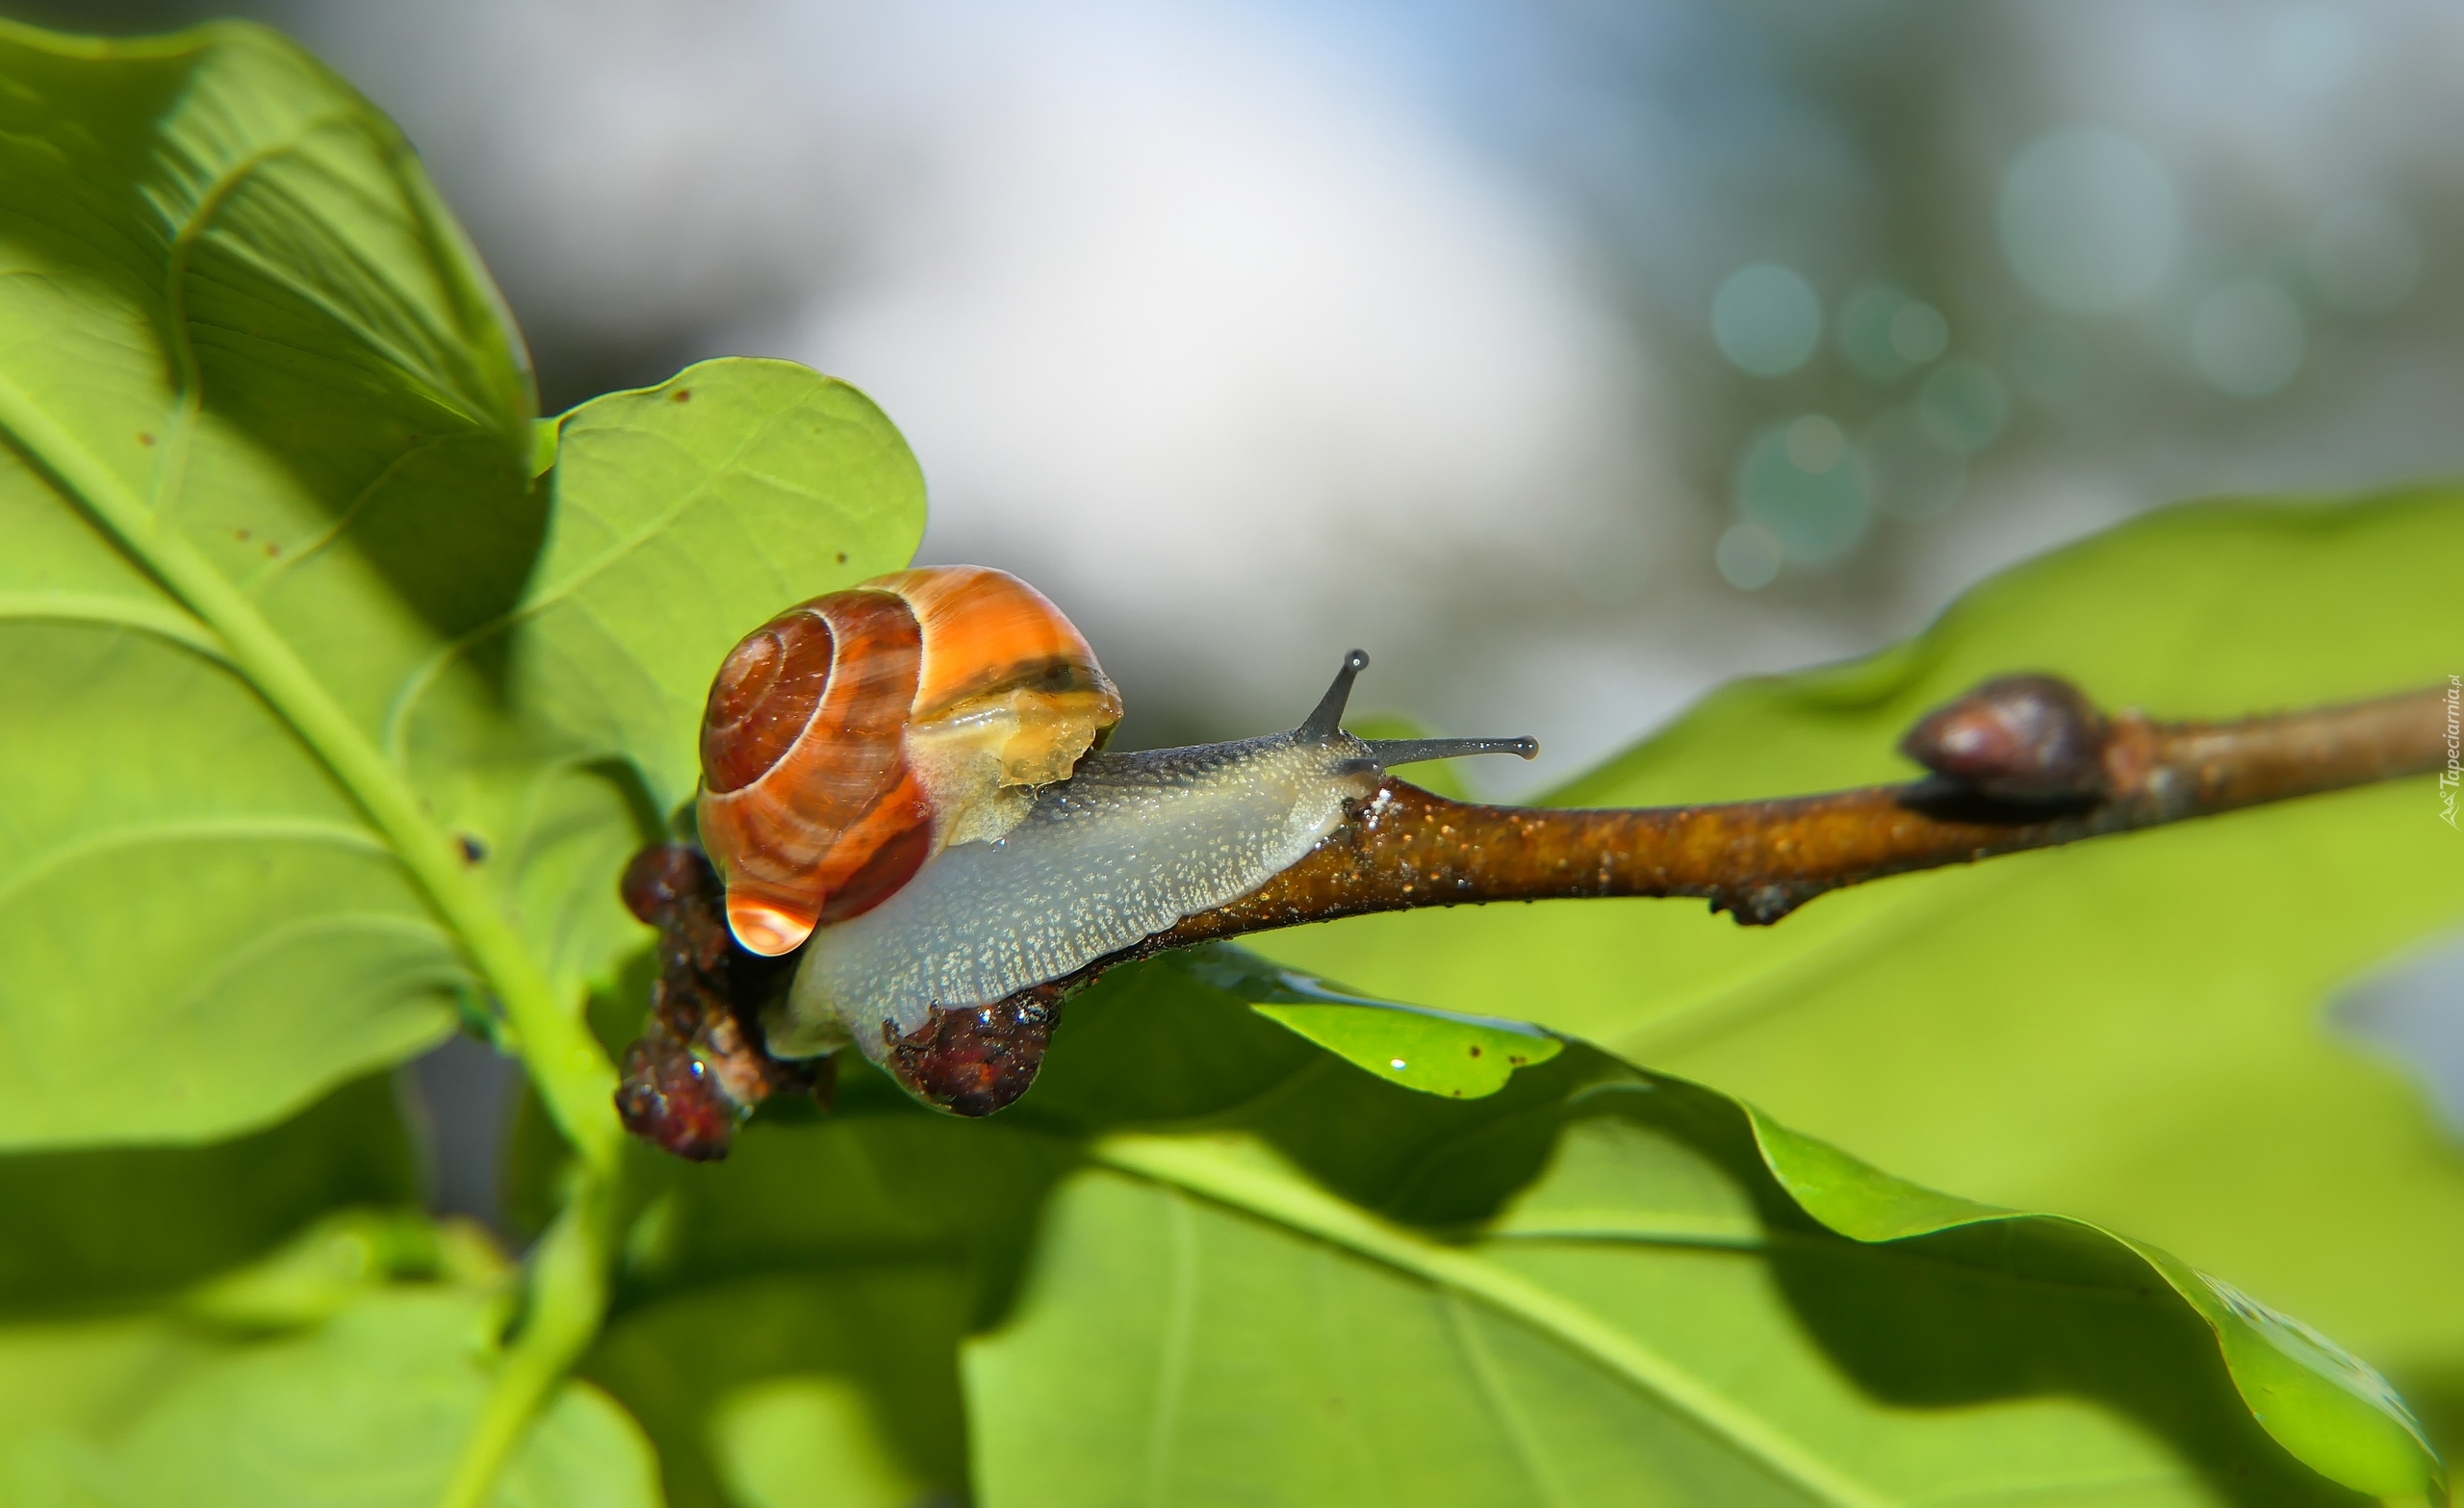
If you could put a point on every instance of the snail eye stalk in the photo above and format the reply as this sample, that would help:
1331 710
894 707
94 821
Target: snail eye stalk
1392 752
1327 721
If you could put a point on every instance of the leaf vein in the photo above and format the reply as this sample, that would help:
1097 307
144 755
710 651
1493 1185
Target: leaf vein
202 829
101 609
415 686
1221 1173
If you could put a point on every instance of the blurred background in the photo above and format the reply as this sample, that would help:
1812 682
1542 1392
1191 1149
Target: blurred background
1571 357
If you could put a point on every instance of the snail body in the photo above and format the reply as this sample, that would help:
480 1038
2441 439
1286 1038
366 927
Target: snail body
1127 846
909 774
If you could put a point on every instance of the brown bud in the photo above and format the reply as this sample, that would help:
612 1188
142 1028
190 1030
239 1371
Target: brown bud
976 1060
699 1068
671 1099
2022 738
662 877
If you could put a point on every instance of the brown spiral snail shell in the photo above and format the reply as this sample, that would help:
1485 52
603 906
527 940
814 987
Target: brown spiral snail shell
852 737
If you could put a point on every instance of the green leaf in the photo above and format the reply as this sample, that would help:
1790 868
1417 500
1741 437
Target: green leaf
316 713
1204 1261
111 1227
686 515
1435 1052
2127 1029
2359 1431
123 1272
309 1376
808 1442
372 1408
316 1374
1586 1282
798 1389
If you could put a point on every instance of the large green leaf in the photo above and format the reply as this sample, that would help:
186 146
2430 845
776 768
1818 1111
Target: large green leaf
369 1407
113 1226
316 712
1206 1261
2128 1029
803 1301
345 1365
832 1388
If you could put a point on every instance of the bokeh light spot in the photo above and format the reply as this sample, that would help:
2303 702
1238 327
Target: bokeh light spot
1962 405
1885 333
2365 256
1911 473
1748 556
1766 320
1919 333
2247 337
1815 445
1793 480
2088 219
1864 331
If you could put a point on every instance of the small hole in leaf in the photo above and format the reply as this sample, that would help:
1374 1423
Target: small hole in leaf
1475 1050
684 394
842 557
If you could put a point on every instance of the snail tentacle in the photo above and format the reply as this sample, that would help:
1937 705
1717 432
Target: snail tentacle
1325 720
1392 752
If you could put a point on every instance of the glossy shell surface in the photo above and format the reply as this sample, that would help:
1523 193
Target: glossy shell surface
850 738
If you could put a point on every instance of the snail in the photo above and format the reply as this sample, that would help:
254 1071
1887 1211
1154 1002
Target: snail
907 781
915 841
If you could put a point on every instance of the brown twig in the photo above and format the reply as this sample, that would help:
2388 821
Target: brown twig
2022 762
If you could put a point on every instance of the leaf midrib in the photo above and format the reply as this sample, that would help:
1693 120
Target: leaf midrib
1219 1174
573 1072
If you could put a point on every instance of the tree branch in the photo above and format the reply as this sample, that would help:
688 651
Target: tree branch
2019 765
2023 762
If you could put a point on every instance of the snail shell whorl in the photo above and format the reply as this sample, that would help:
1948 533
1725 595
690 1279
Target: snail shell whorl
851 737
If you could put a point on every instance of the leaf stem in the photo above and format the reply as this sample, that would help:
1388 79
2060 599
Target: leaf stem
567 1295
574 1075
